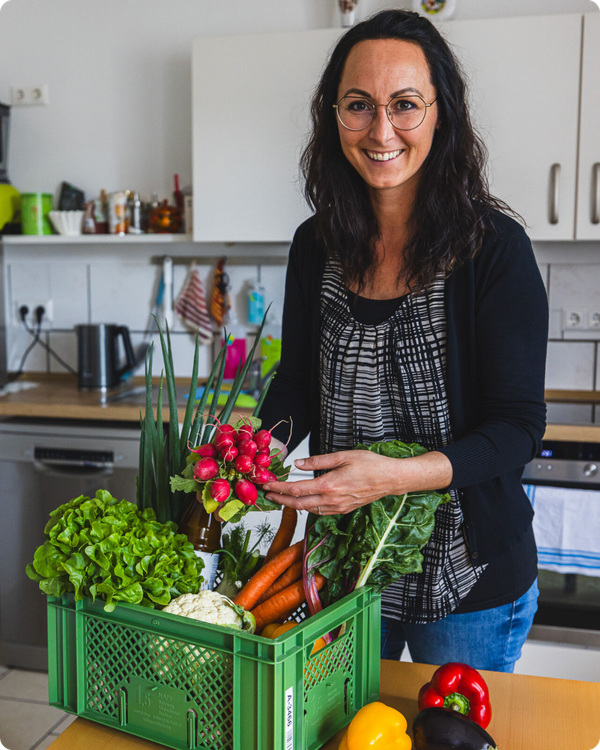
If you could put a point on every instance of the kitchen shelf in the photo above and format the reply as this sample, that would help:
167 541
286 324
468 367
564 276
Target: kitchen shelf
95 239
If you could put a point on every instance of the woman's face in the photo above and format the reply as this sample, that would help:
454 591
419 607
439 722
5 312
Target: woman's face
379 69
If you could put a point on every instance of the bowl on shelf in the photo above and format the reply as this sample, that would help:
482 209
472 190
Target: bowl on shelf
67 222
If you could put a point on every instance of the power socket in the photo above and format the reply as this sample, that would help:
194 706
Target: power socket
30 318
574 319
27 96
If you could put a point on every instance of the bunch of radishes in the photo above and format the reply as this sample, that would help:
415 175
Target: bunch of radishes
242 456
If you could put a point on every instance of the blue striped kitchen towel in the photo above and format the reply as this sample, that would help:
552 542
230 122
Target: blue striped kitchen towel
566 526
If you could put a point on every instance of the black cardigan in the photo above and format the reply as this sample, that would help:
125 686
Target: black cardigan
496 329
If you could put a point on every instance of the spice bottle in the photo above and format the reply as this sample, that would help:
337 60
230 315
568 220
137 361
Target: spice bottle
203 530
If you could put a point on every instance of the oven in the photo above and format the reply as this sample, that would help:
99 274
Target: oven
563 484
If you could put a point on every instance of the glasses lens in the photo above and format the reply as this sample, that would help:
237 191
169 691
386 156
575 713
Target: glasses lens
355 113
407 112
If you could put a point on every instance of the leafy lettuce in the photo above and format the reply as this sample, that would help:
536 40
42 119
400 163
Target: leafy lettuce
376 544
106 548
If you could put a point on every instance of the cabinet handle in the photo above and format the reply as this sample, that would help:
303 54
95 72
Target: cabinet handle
554 193
596 193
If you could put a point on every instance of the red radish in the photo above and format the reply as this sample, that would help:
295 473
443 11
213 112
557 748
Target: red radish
261 476
243 464
206 468
230 453
207 450
223 441
225 429
246 492
220 490
246 431
272 477
262 460
248 448
262 439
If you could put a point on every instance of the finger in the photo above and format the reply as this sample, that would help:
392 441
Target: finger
324 461
309 503
301 488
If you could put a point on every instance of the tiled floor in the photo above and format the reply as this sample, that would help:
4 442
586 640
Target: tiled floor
27 722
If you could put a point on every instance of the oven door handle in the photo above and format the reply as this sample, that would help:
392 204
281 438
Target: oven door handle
72 468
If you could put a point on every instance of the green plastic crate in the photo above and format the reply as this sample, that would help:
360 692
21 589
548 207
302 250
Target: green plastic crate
189 685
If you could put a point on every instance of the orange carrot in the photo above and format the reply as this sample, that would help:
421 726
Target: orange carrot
285 533
284 601
267 575
291 575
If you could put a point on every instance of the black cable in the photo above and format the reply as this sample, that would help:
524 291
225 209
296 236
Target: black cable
15 375
47 347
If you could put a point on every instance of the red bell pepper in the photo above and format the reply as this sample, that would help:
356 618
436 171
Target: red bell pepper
458 687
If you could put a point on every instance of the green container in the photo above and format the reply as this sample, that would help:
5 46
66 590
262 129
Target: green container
35 208
194 686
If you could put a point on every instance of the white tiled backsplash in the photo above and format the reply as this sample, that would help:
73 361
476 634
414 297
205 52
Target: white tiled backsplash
118 284
108 286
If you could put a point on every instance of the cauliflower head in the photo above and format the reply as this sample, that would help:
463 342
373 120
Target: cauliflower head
214 608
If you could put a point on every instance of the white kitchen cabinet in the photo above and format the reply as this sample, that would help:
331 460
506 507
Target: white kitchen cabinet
524 86
588 192
251 98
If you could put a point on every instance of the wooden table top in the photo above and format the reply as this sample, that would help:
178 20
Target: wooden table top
529 713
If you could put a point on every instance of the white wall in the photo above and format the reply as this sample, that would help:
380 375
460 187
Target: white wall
119 76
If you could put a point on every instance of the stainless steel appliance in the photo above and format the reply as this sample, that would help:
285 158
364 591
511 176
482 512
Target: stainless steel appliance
4 121
42 466
569 603
98 355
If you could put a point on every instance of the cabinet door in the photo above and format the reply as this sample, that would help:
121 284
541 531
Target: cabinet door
524 76
588 193
251 98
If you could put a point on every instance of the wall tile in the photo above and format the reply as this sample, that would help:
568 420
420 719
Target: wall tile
570 365
569 414
183 355
17 342
64 343
545 271
124 293
555 330
576 286
30 285
69 294
273 279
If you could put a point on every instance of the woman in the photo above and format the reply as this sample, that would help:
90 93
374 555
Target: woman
414 310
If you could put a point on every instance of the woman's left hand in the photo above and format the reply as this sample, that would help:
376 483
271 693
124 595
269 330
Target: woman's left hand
356 478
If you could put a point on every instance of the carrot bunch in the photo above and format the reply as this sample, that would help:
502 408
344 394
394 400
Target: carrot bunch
277 589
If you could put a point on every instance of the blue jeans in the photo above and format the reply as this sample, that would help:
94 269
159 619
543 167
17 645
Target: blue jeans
489 639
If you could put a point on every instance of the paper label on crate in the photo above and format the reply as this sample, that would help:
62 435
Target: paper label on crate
288 721
211 563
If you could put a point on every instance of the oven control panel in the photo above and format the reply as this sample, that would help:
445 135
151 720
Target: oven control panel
562 462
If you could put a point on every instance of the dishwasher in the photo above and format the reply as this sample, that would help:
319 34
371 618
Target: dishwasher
44 464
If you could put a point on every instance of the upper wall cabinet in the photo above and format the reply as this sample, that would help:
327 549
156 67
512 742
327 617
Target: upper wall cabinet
524 89
588 193
251 99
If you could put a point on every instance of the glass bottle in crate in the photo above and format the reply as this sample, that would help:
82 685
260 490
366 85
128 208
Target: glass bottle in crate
203 530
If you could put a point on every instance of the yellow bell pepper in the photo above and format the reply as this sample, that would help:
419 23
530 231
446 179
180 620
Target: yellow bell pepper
376 726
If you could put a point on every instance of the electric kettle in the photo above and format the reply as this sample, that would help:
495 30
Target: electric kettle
98 355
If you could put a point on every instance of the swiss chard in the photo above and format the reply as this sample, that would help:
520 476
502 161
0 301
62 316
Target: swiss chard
373 545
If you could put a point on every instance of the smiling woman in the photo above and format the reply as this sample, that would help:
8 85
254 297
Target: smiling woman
413 308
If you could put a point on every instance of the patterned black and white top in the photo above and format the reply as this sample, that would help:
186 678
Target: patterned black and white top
387 382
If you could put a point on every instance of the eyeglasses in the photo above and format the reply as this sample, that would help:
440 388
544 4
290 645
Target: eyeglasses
404 112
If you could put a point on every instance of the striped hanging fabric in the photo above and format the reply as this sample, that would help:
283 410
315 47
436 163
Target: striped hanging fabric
190 305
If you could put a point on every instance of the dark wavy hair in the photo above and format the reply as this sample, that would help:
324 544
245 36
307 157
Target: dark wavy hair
452 209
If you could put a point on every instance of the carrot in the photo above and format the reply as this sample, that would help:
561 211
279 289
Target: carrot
285 533
267 575
284 601
291 575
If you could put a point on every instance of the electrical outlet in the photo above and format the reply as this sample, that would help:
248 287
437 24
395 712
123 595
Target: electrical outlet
27 96
593 322
573 320
30 318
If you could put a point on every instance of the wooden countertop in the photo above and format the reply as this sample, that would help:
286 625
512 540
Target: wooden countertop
529 713
57 397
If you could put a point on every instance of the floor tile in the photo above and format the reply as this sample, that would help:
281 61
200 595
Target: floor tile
4 671
44 744
25 685
23 724
69 719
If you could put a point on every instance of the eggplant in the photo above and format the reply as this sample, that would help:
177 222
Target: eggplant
442 729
